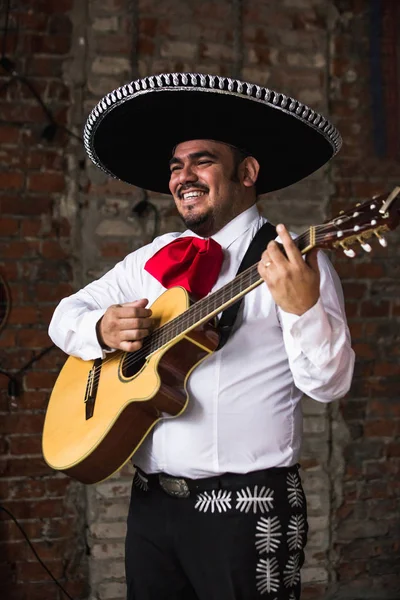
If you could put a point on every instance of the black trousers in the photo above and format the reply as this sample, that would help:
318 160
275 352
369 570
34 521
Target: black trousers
235 537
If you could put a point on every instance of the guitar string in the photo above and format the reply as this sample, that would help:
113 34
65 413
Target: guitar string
181 322
195 312
184 320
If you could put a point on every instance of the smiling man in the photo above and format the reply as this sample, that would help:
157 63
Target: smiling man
204 183
217 508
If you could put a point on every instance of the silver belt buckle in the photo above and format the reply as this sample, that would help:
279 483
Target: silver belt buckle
174 486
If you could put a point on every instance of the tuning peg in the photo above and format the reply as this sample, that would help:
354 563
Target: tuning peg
366 247
381 239
348 251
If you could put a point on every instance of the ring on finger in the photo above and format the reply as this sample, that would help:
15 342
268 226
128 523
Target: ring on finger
266 263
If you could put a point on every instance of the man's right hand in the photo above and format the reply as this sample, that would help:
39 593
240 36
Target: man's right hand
124 326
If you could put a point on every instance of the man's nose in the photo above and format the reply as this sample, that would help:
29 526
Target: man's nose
187 175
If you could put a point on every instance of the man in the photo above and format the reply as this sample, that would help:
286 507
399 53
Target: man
217 508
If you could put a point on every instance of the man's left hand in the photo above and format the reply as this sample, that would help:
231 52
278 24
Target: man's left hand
292 281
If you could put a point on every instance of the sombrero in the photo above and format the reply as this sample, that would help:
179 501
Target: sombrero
132 131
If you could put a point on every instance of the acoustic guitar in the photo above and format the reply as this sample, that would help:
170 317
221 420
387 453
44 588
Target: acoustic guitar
100 411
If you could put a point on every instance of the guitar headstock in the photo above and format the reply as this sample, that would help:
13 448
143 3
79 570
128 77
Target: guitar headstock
357 225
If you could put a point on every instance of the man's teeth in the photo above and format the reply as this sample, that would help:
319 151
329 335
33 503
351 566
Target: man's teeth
193 195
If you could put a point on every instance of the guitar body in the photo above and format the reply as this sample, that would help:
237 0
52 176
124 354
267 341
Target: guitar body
89 436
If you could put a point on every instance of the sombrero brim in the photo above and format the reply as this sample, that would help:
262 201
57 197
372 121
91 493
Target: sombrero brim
131 133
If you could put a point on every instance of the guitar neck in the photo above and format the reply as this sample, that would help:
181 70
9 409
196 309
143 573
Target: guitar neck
210 306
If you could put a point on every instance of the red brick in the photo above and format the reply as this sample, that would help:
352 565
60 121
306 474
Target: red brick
32 228
17 205
53 249
23 315
46 44
386 369
37 509
34 338
39 380
383 408
9 227
9 134
51 160
34 591
58 486
33 571
21 113
116 250
7 338
20 249
53 6
22 424
16 551
25 444
46 182
393 449
148 26
375 309
118 44
33 20
364 350
51 292
21 467
12 180
9 270
33 400
46 66
382 428
9 531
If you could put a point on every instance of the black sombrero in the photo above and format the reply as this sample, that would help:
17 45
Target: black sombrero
132 131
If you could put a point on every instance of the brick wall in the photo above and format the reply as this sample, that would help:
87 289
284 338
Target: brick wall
366 550
70 223
36 179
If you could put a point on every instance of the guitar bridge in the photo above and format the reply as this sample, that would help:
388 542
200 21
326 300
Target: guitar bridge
91 387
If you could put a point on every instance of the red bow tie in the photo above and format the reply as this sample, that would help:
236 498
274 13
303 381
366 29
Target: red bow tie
191 262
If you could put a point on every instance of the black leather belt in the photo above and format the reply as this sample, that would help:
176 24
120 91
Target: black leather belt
182 487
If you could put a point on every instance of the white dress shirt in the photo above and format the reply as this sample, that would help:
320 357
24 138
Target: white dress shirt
244 411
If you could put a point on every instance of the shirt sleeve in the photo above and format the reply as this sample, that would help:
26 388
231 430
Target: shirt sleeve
73 325
318 342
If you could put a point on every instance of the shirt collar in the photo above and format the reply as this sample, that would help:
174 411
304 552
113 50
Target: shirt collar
238 226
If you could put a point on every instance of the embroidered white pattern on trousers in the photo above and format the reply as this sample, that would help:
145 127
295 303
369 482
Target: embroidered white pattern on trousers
291 573
267 575
296 531
268 535
295 494
220 501
257 500
140 481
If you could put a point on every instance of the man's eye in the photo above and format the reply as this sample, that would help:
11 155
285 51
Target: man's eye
175 168
205 162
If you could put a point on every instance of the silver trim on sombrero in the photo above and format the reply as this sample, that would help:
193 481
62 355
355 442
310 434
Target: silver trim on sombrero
205 83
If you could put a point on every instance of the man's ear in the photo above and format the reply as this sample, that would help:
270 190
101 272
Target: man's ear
251 168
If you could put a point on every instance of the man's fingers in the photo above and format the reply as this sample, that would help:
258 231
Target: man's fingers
128 324
140 303
131 312
275 255
312 259
292 252
133 335
130 346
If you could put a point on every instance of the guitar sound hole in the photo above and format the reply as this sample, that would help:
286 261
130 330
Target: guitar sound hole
132 364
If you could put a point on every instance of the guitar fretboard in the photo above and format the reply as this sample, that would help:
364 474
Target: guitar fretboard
205 309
